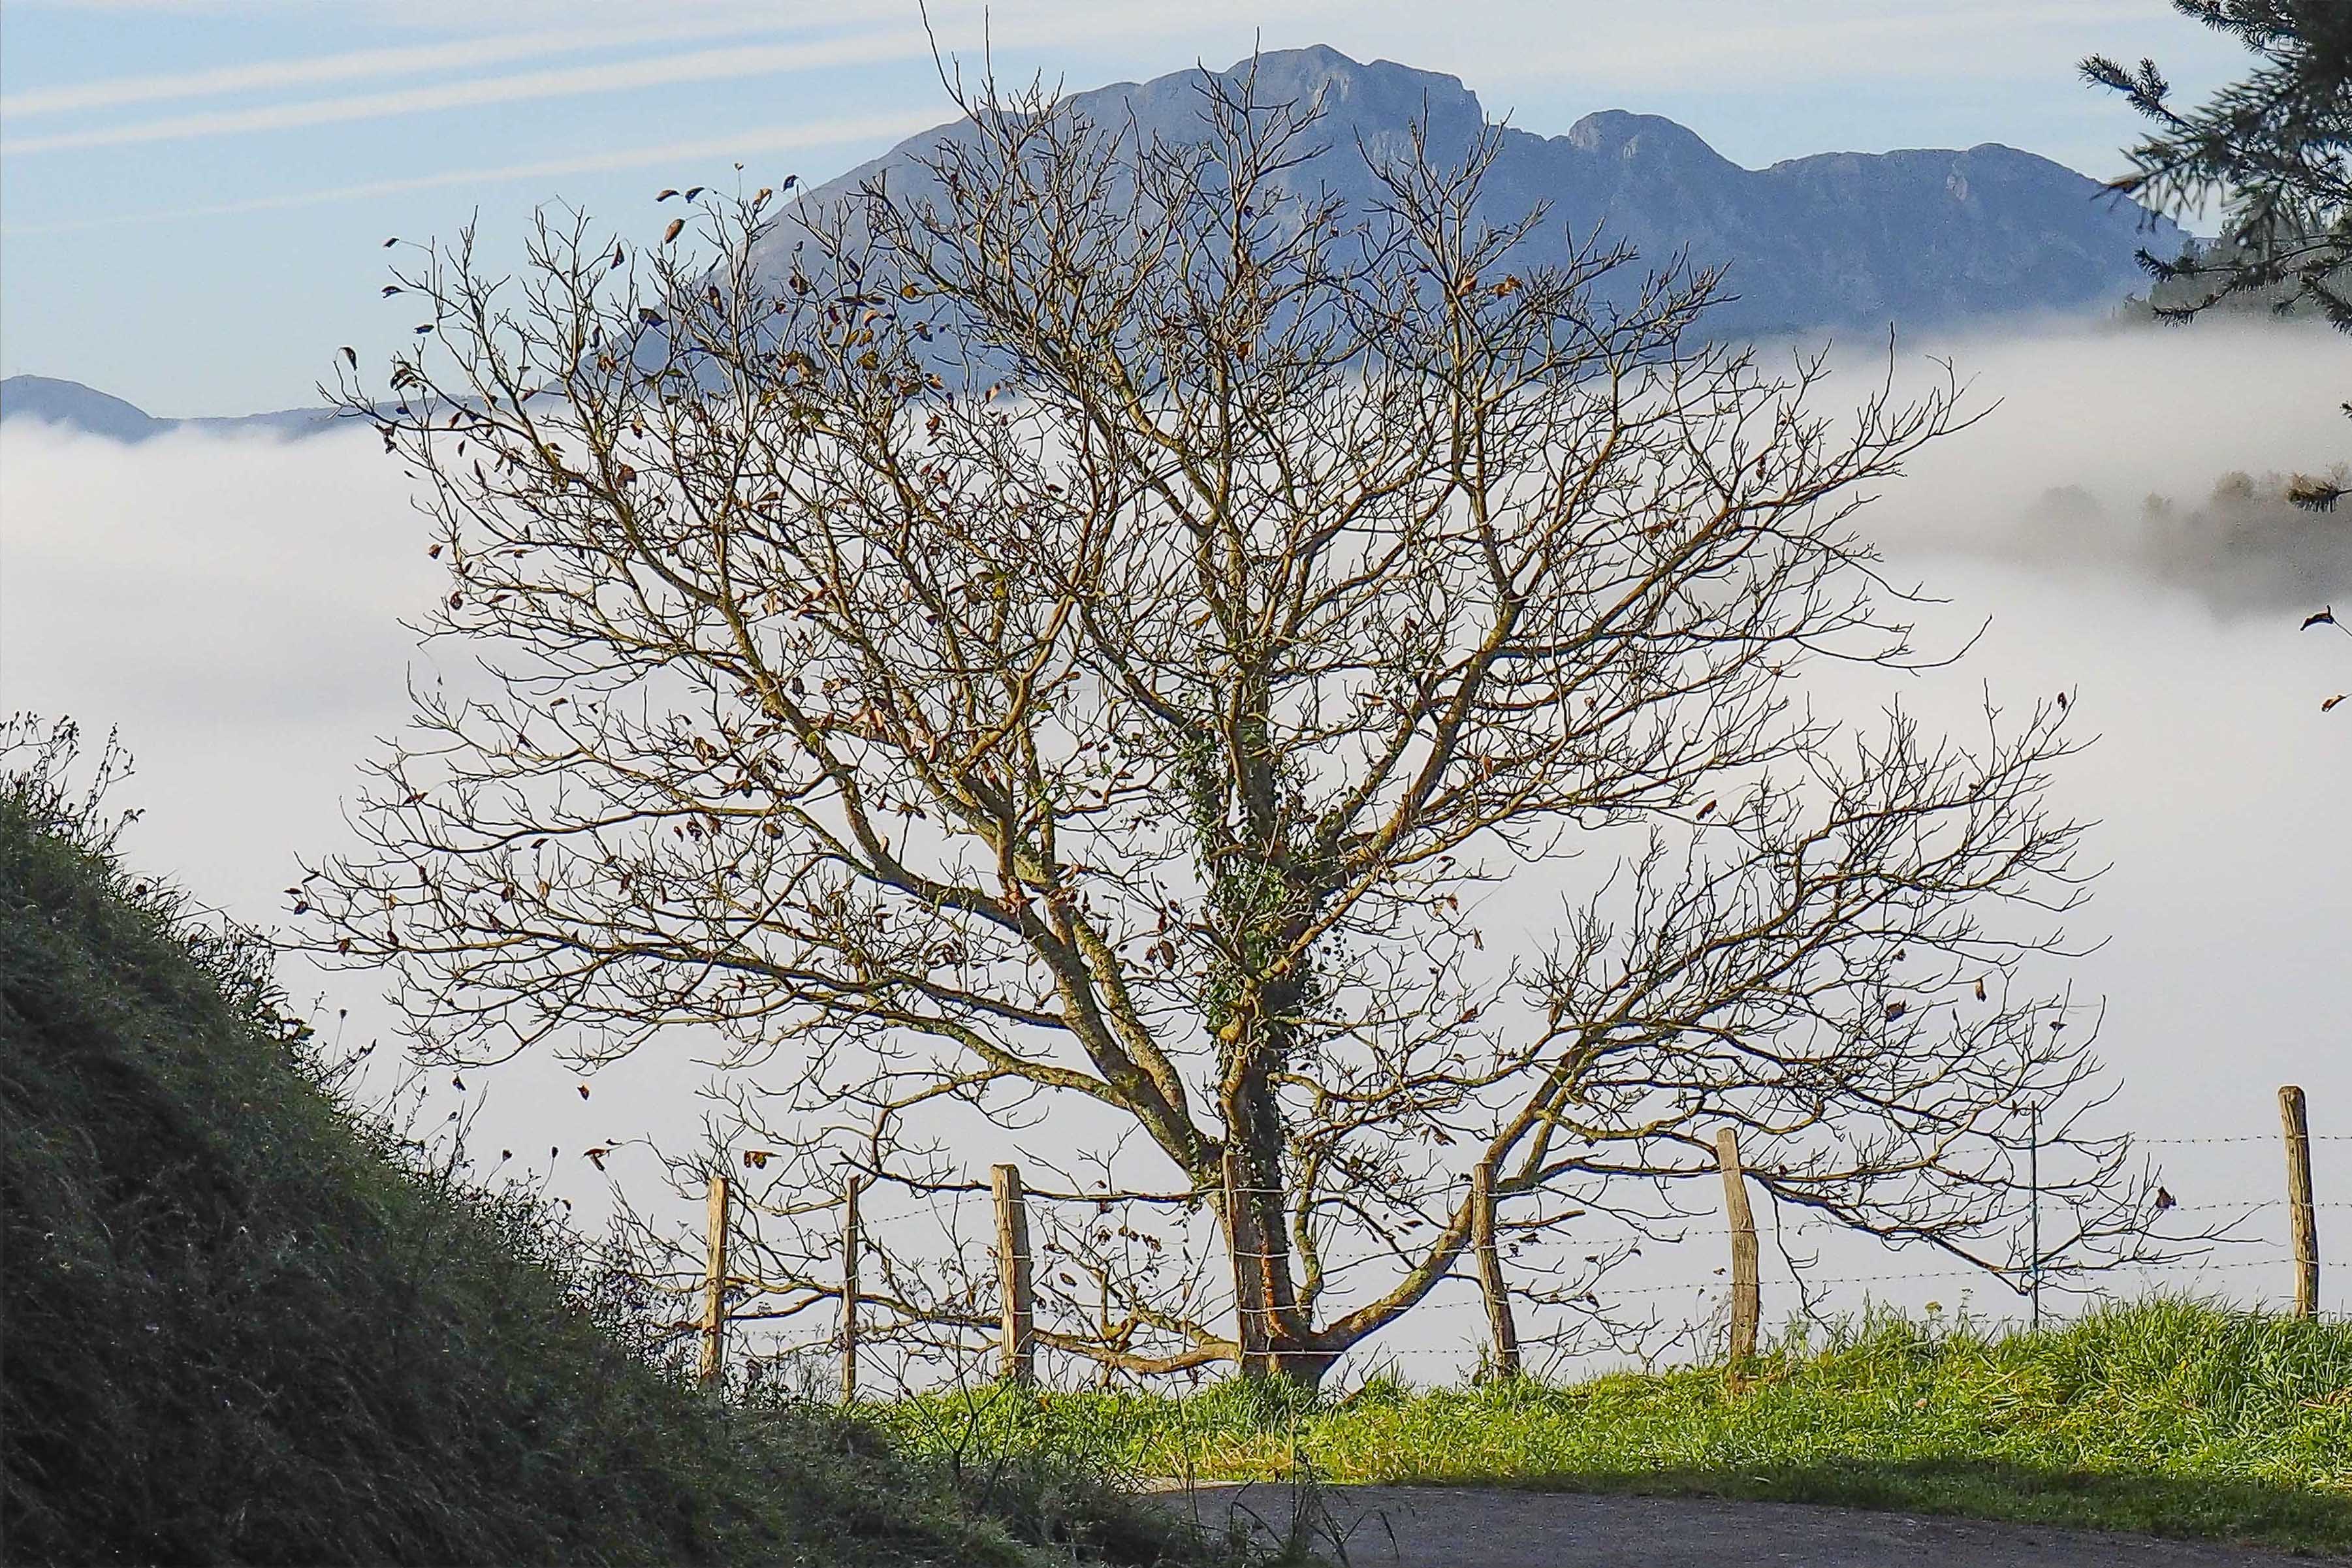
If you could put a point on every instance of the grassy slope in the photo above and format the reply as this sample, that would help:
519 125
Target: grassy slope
240 1328
2166 1417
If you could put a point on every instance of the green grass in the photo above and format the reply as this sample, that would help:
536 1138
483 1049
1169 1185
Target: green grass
2168 1416
243 1324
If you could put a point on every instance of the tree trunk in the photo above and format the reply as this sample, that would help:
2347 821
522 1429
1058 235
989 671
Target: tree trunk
1268 1326
1300 1366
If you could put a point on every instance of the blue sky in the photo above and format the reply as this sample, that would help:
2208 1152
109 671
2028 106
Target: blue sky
194 193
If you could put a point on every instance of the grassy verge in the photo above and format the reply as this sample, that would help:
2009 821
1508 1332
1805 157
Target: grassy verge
2167 1416
245 1325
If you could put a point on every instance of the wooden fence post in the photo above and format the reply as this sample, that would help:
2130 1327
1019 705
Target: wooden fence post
2033 1189
1747 1292
850 1241
1016 1356
1241 1230
1490 1270
2301 1215
714 1287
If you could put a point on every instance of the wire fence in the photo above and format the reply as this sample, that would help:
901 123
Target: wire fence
995 1324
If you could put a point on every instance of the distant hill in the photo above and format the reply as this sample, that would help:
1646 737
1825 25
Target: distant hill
85 409
76 407
1839 241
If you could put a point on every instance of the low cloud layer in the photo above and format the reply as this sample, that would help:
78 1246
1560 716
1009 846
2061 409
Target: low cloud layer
232 605
2246 546
2155 453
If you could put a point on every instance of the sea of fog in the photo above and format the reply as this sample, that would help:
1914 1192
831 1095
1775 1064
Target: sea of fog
232 605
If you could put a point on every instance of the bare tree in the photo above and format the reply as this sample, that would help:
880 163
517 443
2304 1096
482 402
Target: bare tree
1106 641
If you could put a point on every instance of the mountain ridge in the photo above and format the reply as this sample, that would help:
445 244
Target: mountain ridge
1911 239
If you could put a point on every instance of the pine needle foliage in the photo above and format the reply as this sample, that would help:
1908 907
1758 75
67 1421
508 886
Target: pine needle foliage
2275 146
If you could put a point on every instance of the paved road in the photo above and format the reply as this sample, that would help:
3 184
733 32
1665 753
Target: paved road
1483 1527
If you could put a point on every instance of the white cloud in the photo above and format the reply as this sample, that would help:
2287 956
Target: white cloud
1533 43
1831 39
747 142
624 76
667 70
358 65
